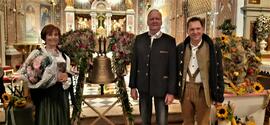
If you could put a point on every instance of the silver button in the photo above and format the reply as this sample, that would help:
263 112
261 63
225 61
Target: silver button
147 65
217 63
217 75
148 55
181 62
146 74
181 52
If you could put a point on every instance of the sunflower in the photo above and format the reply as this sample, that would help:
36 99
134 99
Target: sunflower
222 112
20 103
225 39
257 87
6 97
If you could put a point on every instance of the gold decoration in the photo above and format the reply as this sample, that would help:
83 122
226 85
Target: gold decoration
129 4
69 2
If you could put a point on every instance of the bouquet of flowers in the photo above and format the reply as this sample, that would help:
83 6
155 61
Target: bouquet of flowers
121 46
38 69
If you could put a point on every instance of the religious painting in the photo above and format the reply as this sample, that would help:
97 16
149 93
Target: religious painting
82 21
254 1
45 15
31 22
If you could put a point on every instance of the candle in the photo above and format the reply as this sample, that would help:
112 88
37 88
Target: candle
104 41
99 45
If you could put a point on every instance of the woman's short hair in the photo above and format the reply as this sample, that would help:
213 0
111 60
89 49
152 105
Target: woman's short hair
49 29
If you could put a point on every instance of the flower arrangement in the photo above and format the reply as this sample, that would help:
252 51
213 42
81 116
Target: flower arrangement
240 64
35 66
121 46
79 46
262 26
16 96
227 27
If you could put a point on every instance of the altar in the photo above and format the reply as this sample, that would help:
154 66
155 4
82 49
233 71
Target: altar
249 105
100 16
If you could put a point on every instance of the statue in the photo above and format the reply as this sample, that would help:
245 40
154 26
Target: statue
83 23
129 4
69 3
118 25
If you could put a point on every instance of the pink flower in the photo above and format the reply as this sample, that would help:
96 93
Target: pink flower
37 62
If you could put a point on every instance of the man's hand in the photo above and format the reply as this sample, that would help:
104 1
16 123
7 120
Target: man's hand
169 99
134 93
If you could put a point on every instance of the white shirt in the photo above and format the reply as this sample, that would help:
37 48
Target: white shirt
155 36
193 63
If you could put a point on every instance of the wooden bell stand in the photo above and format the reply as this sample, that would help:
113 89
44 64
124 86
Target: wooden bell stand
102 115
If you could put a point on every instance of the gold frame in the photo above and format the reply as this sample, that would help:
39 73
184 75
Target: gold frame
254 1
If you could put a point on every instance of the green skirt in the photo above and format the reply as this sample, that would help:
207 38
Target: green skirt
52 106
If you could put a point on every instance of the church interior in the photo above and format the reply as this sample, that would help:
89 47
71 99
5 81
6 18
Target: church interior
247 21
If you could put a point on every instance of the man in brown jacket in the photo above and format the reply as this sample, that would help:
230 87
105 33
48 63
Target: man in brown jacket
200 74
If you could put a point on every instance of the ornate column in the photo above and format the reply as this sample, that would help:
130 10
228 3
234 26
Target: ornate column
240 18
70 16
130 21
108 23
212 17
94 21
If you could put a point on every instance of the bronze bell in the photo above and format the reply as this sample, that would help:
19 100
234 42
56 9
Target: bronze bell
102 71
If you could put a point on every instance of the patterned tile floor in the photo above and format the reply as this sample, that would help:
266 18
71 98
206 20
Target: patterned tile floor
102 104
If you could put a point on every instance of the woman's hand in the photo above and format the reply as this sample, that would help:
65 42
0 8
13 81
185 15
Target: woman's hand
62 77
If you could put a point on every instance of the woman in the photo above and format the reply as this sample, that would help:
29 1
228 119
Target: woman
46 71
